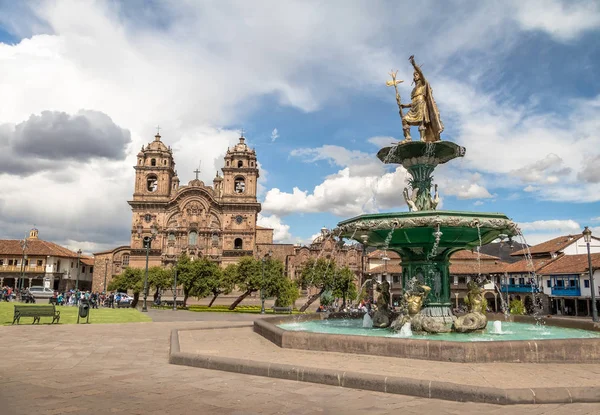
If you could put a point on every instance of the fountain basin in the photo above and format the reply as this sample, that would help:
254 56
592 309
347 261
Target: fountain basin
533 350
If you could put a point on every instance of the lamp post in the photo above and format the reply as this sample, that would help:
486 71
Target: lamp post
587 236
175 290
105 272
23 244
78 269
262 284
147 243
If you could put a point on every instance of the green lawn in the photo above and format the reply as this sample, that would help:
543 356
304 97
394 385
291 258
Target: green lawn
251 309
68 315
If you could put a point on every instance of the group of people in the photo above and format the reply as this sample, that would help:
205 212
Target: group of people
66 298
6 294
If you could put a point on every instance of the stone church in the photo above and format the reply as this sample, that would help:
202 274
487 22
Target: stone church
218 221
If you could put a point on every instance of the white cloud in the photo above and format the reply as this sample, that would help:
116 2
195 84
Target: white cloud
563 20
281 231
544 171
567 225
274 134
478 203
382 141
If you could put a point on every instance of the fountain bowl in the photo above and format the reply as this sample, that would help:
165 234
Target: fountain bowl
566 350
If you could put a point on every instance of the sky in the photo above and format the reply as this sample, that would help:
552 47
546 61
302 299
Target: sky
84 84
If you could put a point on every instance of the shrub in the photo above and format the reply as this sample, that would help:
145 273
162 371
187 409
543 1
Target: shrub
517 307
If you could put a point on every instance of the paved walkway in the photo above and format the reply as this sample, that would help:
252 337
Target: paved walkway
244 343
104 369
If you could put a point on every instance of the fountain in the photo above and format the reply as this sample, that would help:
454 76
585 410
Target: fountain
423 326
425 237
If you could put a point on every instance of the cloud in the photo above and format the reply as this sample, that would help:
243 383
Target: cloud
567 225
281 231
48 140
359 164
478 203
544 171
382 141
591 170
563 20
274 134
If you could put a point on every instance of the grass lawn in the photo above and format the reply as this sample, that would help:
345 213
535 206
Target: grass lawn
68 315
251 309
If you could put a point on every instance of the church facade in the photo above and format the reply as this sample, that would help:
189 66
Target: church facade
217 222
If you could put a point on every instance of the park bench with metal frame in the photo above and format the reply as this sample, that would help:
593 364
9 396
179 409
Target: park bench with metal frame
36 311
282 310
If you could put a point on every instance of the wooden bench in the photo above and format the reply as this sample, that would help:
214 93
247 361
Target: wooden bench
36 311
169 303
123 304
282 310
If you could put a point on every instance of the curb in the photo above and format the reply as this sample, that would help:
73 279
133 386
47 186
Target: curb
379 383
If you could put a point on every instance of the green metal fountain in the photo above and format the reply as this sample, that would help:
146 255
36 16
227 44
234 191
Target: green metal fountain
425 237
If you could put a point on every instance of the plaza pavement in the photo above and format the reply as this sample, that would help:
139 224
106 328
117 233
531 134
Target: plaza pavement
123 368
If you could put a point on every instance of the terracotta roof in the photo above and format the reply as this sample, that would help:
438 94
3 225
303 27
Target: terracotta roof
35 247
570 264
391 269
524 266
474 269
379 253
553 245
465 254
87 261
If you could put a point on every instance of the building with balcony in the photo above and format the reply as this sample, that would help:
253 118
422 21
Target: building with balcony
524 279
566 281
35 262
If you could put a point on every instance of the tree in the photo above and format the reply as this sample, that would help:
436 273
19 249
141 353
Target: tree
129 279
253 274
248 278
208 278
344 286
223 283
185 275
318 274
287 293
159 278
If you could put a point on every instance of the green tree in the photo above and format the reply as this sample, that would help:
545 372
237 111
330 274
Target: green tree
287 293
344 285
185 276
207 277
318 274
223 282
159 278
130 279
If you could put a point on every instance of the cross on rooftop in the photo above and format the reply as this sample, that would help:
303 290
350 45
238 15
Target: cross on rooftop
197 171
158 130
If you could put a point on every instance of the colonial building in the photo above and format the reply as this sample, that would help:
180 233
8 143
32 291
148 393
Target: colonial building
217 222
35 262
519 283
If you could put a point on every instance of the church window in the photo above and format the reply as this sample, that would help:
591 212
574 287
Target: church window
240 163
215 239
251 164
193 238
153 162
152 183
237 244
125 260
165 162
171 236
227 163
240 185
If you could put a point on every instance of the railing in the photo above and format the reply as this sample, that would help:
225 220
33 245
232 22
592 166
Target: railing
566 291
517 288
17 268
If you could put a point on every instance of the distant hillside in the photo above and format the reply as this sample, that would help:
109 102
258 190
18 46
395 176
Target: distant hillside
503 251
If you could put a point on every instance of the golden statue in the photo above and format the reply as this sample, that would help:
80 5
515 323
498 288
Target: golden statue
423 110
415 300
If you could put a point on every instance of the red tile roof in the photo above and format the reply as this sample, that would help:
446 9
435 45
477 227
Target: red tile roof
524 266
570 264
551 246
465 254
486 267
35 247
380 253
391 269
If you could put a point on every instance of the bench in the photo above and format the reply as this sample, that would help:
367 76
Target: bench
36 311
282 310
123 304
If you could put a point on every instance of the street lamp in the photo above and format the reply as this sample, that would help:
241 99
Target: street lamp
587 236
147 243
262 284
175 290
105 271
78 269
23 244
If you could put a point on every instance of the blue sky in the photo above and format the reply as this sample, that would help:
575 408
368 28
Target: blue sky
517 84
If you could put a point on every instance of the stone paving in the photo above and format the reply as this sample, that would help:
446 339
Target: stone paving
104 369
243 342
